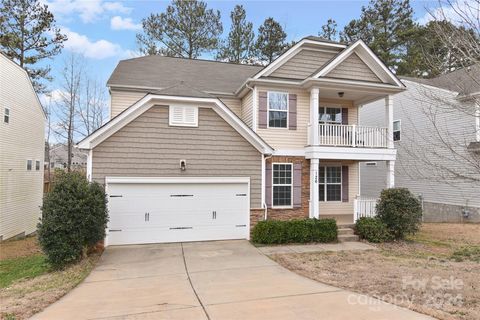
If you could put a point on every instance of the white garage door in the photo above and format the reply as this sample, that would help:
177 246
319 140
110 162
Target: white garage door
149 210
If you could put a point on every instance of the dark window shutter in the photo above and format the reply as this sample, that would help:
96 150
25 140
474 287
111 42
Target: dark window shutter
345 116
262 110
297 185
292 111
345 184
268 185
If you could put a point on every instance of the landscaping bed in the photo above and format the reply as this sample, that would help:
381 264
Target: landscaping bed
435 272
27 282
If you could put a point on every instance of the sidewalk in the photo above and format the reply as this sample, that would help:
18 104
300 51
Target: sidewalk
305 248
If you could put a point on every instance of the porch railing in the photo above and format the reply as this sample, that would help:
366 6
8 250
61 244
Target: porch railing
340 135
364 207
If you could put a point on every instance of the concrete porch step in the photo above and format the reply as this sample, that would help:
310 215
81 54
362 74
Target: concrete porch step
345 231
347 237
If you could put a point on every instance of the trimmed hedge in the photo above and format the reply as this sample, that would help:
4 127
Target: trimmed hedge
372 230
74 218
295 231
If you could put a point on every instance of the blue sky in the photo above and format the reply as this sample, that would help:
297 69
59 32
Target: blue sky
103 32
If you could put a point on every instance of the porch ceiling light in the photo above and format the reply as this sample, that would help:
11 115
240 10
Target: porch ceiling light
340 94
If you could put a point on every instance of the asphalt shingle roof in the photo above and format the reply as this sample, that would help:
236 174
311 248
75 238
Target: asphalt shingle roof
167 72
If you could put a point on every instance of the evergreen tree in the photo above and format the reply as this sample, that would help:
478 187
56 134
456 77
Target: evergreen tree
428 56
329 30
270 41
186 29
239 46
385 26
28 35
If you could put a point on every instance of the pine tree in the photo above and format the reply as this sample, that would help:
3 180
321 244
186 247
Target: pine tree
385 26
270 41
28 35
329 30
239 46
186 29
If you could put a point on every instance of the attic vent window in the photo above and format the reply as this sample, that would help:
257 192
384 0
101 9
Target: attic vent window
183 116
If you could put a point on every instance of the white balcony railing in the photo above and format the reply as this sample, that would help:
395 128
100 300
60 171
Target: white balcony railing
364 207
352 136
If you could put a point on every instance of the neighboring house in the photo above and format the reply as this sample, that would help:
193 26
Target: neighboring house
58 157
437 135
202 150
21 152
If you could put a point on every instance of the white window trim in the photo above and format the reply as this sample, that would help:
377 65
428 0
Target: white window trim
325 183
6 113
291 185
324 107
400 129
268 109
182 124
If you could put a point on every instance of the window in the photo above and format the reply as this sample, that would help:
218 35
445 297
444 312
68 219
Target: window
37 165
330 184
282 184
29 165
330 115
183 116
397 126
277 109
6 115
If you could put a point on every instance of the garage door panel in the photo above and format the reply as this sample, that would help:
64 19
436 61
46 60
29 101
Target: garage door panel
173 212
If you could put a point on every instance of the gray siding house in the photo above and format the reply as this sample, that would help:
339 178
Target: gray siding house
203 150
437 137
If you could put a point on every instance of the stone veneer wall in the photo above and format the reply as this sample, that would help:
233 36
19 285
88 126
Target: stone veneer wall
287 214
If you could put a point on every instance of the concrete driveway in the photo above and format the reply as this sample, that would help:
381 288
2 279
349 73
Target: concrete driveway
208 280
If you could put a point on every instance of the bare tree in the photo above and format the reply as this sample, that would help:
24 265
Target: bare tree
92 110
445 130
68 105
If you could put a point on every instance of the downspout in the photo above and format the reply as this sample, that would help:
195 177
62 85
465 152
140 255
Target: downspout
264 204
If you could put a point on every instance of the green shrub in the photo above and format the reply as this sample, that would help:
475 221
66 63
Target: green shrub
295 231
471 253
400 210
372 230
74 217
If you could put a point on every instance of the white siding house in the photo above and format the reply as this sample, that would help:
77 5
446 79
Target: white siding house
423 116
22 142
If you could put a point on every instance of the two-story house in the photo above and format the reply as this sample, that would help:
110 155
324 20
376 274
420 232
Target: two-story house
22 142
437 136
202 150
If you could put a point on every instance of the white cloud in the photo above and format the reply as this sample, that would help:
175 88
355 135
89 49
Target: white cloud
119 23
450 11
52 97
88 10
99 49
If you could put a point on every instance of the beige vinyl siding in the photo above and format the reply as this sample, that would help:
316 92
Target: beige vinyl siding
303 64
122 99
21 139
148 146
233 104
342 211
284 138
415 107
247 109
353 68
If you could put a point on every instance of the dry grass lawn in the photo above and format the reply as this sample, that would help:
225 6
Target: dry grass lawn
35 288
436 272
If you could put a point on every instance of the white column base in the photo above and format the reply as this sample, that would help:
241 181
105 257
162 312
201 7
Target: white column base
390 174
314 204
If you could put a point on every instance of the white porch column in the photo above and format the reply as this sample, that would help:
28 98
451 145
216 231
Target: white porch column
314 204
314 106
389 120
390 174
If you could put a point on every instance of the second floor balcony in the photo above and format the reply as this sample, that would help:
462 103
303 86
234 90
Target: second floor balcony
339 135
